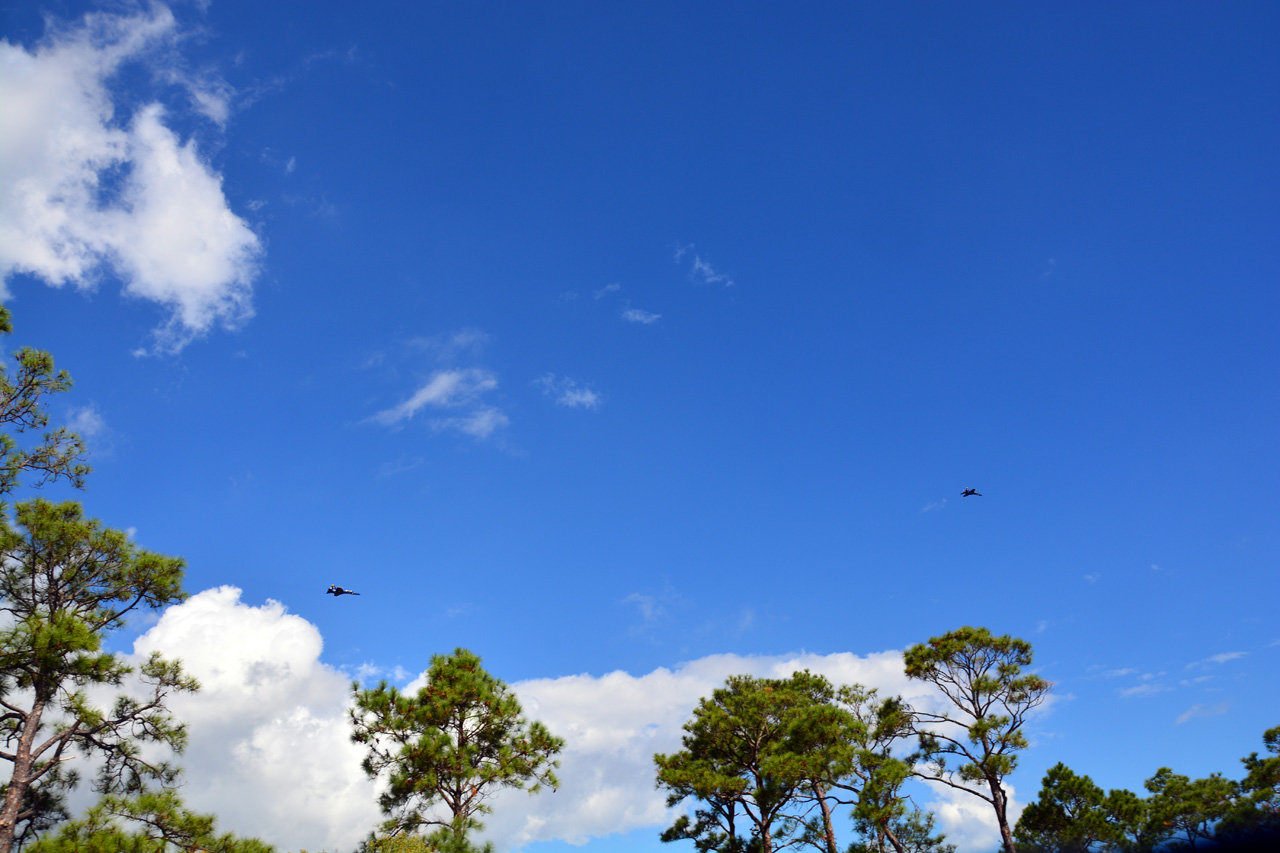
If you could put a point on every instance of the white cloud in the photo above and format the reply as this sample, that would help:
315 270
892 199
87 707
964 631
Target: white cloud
269 749
1226 656
449 347
613 724
87 421
647 605
568 392
1202 711
443 389
637 315
480 423
83 190
1149 688
606 290
708 274
930 507
969 822
701 271
1218 658
399 466
1092 578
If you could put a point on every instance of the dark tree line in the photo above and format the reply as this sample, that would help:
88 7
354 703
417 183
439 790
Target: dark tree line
1073 815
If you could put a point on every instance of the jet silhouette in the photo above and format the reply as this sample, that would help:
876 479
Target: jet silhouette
968 492
336 591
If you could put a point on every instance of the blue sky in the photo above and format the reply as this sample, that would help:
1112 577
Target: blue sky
605 340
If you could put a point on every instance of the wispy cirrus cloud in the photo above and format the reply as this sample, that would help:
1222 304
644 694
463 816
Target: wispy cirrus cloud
450 347
638 315
701 271
605 291
1202 711
86 191
567 392
454 397
443 388
451 389
479 423
1215 659
1148 688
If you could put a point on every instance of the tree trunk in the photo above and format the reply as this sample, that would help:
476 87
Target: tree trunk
21 779
893 839
827 829
1001 802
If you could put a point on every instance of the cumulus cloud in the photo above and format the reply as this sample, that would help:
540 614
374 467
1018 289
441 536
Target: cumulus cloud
969 822
269 749
85 191
613 724
567 392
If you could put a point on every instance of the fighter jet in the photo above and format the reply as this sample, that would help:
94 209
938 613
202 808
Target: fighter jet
337 591
968 492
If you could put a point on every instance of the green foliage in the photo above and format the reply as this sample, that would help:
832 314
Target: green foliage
875 776
441 841
761 755
1257 808
458 740
66 582
912 832
61 453
981 675
147 822
1186 808
1073 815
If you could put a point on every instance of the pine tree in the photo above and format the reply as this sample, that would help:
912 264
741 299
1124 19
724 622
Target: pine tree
981 676
65 584
457 741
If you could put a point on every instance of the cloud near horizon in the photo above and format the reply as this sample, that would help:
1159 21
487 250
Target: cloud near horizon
269 750
85 191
